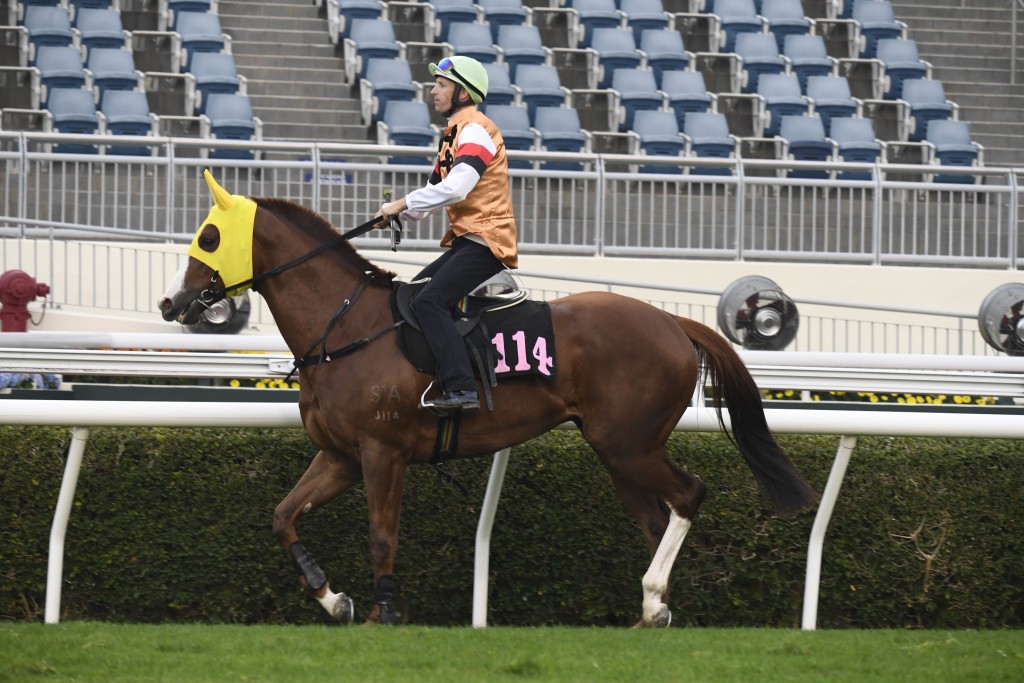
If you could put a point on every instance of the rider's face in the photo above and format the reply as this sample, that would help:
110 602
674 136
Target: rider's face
442 92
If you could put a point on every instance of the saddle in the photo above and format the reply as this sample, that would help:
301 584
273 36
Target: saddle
497 321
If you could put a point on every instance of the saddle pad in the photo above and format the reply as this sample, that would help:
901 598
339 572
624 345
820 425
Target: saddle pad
519 339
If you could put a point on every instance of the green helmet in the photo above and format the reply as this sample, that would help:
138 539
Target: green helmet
465 71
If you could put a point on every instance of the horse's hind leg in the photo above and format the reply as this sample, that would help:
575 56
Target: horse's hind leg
325 479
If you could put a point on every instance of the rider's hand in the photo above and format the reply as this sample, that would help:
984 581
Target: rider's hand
389 211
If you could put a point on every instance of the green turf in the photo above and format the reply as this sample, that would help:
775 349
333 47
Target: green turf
115 652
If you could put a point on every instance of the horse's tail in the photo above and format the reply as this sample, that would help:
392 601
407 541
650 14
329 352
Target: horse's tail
730 380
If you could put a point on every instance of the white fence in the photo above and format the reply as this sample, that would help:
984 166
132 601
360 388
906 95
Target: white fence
952 375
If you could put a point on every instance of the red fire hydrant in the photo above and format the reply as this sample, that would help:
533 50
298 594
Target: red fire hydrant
17 290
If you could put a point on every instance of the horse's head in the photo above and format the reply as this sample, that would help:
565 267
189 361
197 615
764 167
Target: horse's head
220 258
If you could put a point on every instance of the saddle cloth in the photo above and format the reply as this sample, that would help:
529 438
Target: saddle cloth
506 337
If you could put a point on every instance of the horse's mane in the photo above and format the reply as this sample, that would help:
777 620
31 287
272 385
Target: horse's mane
320 229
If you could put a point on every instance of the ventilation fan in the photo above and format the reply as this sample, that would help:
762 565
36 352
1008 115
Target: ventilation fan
1001 319
227 316
755 313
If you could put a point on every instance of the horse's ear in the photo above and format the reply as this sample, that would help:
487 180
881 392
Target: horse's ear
221 196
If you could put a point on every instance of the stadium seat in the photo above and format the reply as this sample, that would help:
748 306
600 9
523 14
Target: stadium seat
448 12
645 15
808 56
100 28
96 4
759 55
514 124
737 16
805 140
785 18
408 123
73 111
368 38
473 40
113 69
594 14
175 8
230 117
665 51
521 45
558 130
200 32
127 113
499 86
927 101
540 86
951 145
214 72
832 98
386 81
499 13
350 10
616 49
47 26
782 97
686 94
60 67
708 134
658 134
638 91
901 61
855 142
876 20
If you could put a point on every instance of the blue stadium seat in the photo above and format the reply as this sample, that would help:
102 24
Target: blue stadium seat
214 72
60 67
521 45
386 81
808 56
514 124
616 49
540 86
902 61
658 133
760 55
559 130
876 20
499 86
665 51
407 123
645 15
449 12
638 91
473 40
708 133
73 111
594 14
113 69
782 97
927 101
806 141
856 143
200 32
785 18
127 113
687 93
230 118
737 16
100 28
175 8
952 146
499 13
96 4
48 26
368 38
832 98
350 10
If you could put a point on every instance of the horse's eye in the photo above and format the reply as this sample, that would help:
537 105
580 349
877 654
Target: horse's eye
209 238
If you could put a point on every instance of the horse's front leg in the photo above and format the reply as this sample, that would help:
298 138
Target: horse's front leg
384 477
327 477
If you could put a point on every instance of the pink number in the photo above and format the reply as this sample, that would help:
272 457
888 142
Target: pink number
499 344
524 362
540 352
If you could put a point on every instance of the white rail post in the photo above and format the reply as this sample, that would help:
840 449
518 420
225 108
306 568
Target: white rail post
821 520
482 559
65 501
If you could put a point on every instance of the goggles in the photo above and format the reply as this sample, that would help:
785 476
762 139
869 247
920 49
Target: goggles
448 66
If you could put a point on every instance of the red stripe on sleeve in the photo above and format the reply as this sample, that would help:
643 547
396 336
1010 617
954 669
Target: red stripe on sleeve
479 151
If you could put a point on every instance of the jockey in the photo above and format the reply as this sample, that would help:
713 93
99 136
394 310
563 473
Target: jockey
470 180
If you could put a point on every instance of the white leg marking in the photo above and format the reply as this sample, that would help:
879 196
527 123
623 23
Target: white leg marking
655 581
338 605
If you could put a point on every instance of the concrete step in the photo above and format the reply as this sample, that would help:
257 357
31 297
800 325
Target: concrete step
294 75
317 132
292 110
324 50
279 8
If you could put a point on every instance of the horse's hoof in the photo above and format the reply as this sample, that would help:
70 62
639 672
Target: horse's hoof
343 609
660 620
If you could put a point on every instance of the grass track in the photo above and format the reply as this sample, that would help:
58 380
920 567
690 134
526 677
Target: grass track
89 651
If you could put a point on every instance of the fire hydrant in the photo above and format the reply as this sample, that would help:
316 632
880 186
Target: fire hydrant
17 290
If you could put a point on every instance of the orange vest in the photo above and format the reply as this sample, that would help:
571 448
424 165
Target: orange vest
487 210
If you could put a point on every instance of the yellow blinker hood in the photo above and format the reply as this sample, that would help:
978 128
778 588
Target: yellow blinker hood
233 215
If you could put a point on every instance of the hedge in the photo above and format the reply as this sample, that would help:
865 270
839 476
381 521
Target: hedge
174 525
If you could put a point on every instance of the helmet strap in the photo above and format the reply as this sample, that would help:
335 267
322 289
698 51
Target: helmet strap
457 101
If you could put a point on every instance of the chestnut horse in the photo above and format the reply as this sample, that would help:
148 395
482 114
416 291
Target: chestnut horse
625 373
